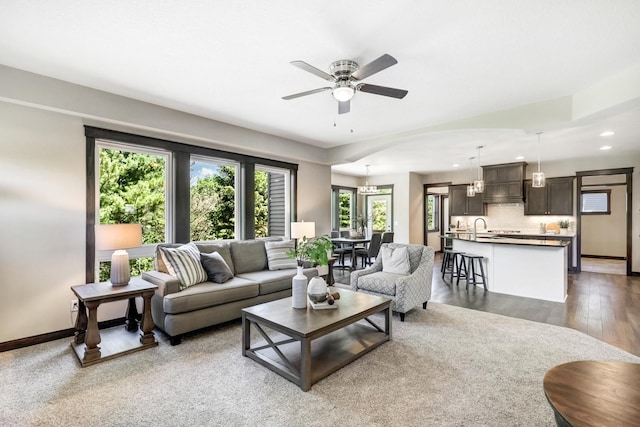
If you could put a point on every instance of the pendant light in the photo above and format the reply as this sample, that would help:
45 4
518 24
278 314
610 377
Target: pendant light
471 190
537 178
478 184
366 188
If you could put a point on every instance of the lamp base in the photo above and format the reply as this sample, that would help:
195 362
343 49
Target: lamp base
120 273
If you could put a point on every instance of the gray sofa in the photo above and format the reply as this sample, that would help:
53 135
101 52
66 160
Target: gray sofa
177 311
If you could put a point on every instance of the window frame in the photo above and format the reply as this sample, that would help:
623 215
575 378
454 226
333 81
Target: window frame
601 191
335 205
287 192
180 201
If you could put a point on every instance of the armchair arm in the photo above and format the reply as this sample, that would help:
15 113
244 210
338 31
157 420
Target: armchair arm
374 268
167 284
415 288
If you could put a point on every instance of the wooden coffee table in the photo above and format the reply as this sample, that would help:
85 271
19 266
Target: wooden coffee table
306 345
594 393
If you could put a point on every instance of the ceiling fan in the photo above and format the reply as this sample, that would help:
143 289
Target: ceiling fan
346 74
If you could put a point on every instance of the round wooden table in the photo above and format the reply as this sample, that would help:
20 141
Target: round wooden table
594 393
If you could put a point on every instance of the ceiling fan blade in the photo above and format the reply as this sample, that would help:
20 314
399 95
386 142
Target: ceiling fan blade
313 70
309 92
377 65
382 90
344 107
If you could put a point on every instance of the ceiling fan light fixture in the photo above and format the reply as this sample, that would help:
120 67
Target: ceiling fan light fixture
343 93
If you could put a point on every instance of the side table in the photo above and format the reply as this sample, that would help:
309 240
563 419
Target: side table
115 341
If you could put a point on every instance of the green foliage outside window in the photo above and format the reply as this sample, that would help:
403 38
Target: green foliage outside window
261 196
132 190
213 206
379 215
345 209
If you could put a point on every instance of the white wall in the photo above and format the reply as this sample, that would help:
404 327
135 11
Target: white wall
42 220
314 195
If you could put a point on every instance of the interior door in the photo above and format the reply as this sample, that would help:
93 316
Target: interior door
379 210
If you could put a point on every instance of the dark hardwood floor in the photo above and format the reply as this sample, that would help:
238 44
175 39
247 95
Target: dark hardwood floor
604 306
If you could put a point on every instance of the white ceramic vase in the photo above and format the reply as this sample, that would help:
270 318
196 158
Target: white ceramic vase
317 289
299 290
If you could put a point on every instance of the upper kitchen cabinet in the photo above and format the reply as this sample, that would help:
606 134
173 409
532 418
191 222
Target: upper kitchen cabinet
555 198
460 204
503 183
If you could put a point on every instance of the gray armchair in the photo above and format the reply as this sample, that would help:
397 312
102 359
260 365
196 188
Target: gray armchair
406 291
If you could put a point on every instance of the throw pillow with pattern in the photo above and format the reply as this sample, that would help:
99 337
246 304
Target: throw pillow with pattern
277 255
184 264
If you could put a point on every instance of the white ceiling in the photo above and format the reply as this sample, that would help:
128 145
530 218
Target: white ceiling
229 61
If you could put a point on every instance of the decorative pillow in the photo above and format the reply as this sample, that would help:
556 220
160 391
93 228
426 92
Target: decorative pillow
277 255
216 267
184 263
395 260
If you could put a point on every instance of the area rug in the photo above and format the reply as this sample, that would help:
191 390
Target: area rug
446 366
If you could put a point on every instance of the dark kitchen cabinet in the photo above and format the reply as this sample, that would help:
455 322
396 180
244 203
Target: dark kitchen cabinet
460 204
555 198
503 183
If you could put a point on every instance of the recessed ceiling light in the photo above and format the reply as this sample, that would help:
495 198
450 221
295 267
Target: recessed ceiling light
520 158
455 165
608 133
605 147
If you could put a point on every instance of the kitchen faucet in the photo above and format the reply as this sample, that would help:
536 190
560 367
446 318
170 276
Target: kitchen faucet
474 226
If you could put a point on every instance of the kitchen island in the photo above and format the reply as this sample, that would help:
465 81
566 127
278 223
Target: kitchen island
530 268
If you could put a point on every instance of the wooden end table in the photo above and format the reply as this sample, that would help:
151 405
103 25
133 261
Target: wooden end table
594 393
306 345
115 341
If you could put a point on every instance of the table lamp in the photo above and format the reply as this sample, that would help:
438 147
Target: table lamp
117 238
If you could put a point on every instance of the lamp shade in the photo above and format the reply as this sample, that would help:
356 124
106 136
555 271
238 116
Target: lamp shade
118 236
303 229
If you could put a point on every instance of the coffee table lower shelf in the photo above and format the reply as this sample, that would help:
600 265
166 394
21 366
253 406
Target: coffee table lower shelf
328 353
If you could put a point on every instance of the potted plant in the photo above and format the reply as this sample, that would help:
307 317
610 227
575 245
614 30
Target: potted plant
564 225
315 251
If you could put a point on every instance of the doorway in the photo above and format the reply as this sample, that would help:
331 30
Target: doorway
380 211
604 222
436 214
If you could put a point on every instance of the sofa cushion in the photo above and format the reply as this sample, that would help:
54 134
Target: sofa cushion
209 294
274 281
217 269
222 247
395 260
277 257
248 255
380 282
184 263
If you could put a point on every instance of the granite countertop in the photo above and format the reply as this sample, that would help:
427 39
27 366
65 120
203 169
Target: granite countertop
507 234
498 239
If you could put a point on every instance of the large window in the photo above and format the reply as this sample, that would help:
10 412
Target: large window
179 193
133 188
213 199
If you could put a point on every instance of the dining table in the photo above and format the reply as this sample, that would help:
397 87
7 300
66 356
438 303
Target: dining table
351 242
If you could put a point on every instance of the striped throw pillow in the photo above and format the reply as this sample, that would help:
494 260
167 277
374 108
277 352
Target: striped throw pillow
277 255
184 264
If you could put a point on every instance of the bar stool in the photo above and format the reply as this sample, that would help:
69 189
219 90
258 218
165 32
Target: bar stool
446 258
471 261
451 264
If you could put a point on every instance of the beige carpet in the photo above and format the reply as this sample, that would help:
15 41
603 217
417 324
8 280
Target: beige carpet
445 366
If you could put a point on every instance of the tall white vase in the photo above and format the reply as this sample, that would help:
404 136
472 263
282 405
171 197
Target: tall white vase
299 290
